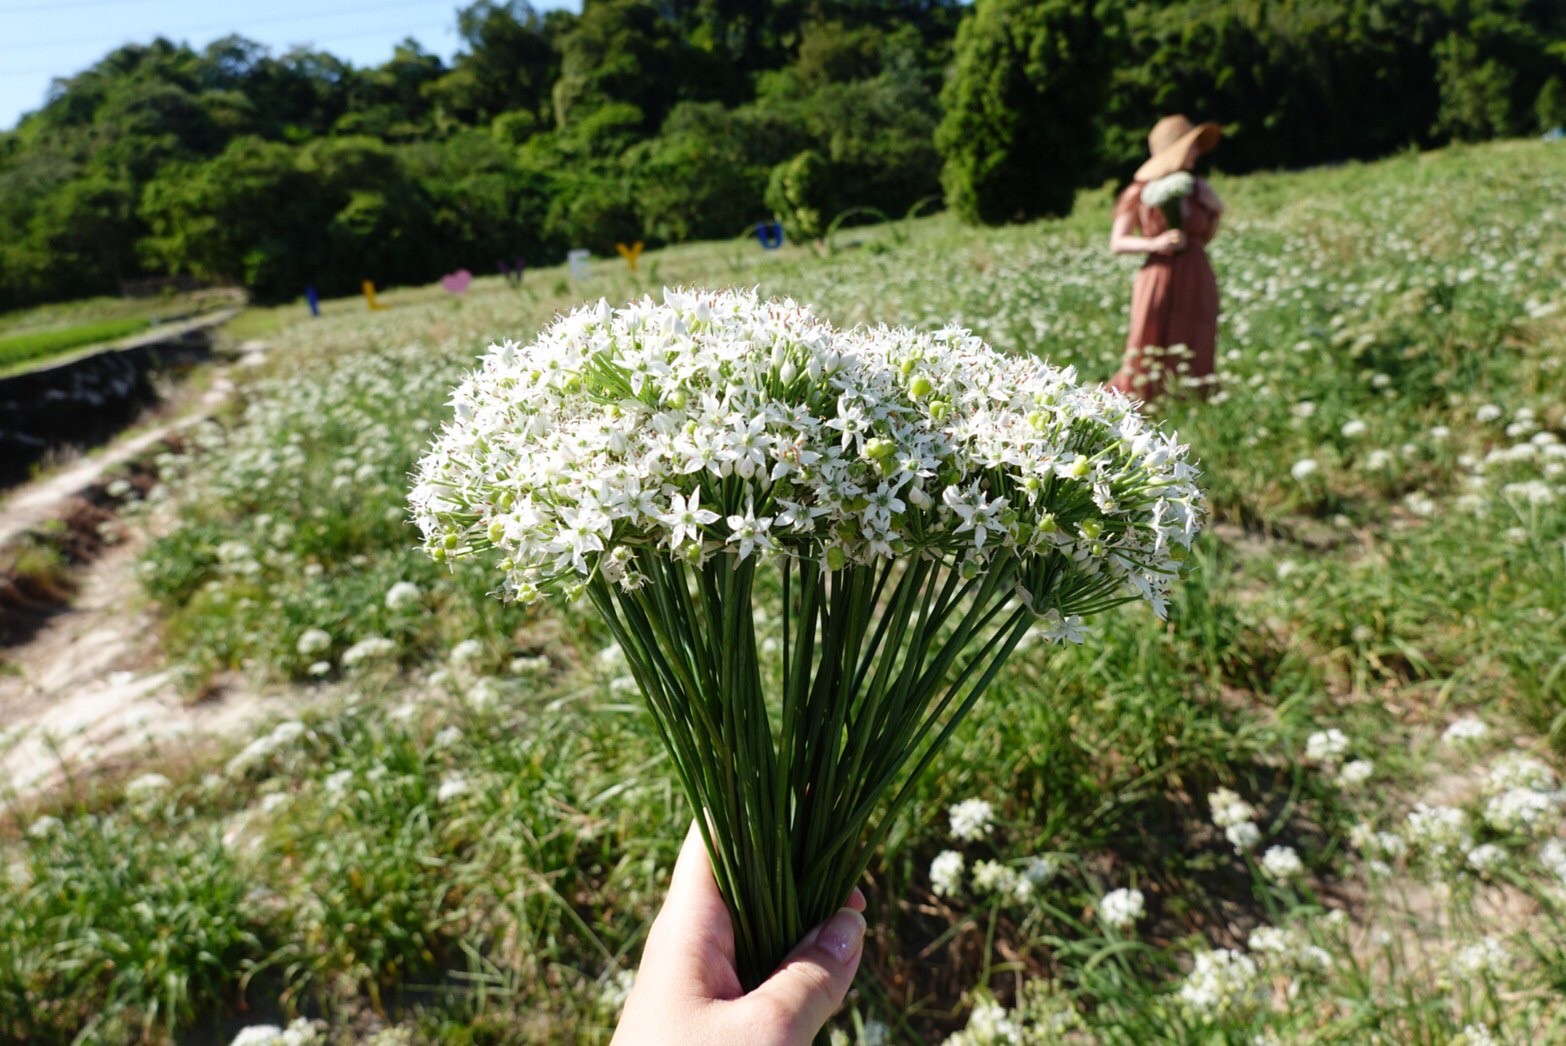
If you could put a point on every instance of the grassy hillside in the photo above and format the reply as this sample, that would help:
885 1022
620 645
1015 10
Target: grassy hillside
468 841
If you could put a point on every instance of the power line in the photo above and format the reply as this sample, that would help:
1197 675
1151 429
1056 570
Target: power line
227 27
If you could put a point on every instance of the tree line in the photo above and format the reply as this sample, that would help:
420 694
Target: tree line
673 120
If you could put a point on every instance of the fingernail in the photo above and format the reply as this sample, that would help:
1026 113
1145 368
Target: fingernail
841 934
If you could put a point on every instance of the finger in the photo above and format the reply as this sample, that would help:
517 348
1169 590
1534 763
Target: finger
811 983
856 900
693 938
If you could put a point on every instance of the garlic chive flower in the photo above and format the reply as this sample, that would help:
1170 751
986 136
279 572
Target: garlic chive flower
716 423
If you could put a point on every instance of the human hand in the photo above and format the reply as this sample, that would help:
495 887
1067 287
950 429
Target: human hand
1170 242
687 991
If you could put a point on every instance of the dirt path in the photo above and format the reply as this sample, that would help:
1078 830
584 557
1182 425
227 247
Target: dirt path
89 690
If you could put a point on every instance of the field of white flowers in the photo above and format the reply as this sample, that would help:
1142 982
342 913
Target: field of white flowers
1320 804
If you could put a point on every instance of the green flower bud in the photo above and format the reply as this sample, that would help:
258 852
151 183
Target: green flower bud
920 387
880 449
1091 528
1081 468
836 558
939 409
452 539
497 531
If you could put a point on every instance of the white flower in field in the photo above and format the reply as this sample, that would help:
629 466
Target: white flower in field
971 819
1282 864
1228 808
319 668
1326 747
530 665
451 787
1521 810
1287 569
1465 731
1438 830
946 873
337 783
989 1024
1041 869
1484 958
1420 504
1379 460
1303 409
1487 413
1304 469
1271 940
611 658
1122 908
402 595
145 787
994 877
1440 433
1530 492
1355 773
1223 983
313 641
1520 770
1244 836
616 989
1552 855
875 1033
1478 1035
1486 857
467 651
1354 429
301 1032
45 826
272 801
446 737
374 648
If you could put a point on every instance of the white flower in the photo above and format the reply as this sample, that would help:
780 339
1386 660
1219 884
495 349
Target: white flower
990 1025
1243 836
1122 908
1222 983
1552 855
946 873
994 877
1478 1035
1486 958
875 1033
451 786
467 651
337 783
1467 730
1354 428
1520 770
1229 809
1167 189
1326 747
1521 810
302 1032
971 819
402 595
1438 831
1282 864
1041 869
372 649
313 641
45 826
1355 773
1486 858
668 429
1487 413
1303 469
145 787
616 990
446 737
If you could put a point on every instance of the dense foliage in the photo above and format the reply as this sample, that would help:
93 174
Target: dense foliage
668 121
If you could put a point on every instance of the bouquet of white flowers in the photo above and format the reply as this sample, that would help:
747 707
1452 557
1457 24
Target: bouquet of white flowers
913 503
1168 194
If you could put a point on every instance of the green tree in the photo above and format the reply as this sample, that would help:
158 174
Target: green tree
1022 106
802 192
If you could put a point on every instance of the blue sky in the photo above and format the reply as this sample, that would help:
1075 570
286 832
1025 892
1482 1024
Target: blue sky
44 39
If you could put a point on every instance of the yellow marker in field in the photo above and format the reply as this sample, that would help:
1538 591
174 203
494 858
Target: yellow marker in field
368 286
631 253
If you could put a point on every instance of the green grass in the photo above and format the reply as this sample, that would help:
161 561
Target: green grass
469 835
34 348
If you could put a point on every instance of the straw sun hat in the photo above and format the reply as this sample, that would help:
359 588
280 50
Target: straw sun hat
1171 139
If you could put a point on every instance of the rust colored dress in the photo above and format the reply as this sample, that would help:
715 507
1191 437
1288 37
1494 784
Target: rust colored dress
1174 302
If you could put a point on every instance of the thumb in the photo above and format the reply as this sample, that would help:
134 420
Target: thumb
810 984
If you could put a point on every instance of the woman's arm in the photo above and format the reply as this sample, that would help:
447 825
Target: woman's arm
1121 240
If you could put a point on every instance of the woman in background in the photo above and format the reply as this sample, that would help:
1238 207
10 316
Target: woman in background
1174 302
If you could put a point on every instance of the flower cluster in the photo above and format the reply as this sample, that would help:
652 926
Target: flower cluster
1168 189
717 423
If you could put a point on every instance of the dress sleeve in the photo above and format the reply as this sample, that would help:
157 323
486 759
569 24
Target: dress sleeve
1128 200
